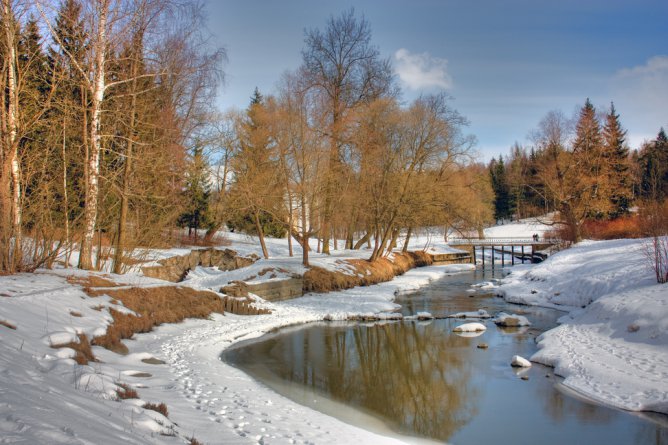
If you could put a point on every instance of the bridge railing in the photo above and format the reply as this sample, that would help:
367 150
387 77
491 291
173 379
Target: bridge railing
501 241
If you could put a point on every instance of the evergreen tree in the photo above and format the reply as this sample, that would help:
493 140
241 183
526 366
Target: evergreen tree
588 152
616 154
654 168
196 194
503 199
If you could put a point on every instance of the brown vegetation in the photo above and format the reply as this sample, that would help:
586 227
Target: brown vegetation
367 273
157 407
623 227
84 353
154 306
7 324
90 281
125 392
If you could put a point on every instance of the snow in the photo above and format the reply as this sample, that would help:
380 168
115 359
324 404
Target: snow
613 350
612 346
480 313
206 398
470 327
520 362
511 320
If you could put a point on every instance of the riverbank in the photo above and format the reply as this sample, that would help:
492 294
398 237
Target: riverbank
612 346
47 397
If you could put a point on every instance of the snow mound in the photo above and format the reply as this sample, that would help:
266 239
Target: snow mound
520 362
480 313
470 327
511 320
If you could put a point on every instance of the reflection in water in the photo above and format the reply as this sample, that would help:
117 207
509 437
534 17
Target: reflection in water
422 379
414 375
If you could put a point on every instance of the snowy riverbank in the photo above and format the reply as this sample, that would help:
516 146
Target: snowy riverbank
48 398
613 345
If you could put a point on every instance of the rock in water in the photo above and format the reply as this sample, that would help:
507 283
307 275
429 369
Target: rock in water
520 362
470 327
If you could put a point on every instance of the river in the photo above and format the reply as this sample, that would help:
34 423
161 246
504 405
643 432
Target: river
422 382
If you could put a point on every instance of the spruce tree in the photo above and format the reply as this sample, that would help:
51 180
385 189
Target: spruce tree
588 153
616 155
196 194
654 168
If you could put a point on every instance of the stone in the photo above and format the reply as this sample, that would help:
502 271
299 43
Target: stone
520 362
482 346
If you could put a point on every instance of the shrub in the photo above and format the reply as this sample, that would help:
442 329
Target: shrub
622 227
84 353
160 408
125 392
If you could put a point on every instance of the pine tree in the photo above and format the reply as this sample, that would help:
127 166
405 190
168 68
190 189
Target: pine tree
503 205
616 154
654 168
196 194
588 152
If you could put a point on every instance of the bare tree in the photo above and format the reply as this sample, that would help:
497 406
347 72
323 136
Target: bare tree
343 66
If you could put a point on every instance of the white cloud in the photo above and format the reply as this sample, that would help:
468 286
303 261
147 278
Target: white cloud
640 94
421 71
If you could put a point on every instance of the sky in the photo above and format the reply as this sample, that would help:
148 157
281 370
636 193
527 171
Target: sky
504 63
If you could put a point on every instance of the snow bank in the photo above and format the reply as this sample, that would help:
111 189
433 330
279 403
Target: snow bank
615 349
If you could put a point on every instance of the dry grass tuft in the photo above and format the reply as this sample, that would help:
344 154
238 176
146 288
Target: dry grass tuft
7 324
154 306
194 441
75 314
125 392
84 353
160 408
91 281
367 273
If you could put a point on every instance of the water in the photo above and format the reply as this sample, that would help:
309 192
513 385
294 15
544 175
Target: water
420 380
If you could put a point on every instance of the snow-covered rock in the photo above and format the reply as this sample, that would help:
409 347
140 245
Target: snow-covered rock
511 320
480 313
520 362
470 327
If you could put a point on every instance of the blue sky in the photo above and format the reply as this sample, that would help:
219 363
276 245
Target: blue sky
505 63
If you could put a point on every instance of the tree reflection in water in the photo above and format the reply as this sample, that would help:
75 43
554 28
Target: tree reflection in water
414 375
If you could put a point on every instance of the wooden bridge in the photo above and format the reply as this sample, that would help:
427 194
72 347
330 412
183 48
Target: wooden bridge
521 249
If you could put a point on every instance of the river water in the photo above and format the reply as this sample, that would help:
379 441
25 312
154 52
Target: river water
422 382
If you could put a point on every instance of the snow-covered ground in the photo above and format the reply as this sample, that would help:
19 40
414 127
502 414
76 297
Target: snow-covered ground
613 344
615 350
46 398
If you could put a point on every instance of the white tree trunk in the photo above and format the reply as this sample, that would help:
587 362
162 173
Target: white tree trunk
12 143
92 187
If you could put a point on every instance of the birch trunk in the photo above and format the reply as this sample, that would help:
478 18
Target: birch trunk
92 186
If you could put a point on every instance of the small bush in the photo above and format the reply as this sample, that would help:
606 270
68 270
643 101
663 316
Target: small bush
84 353
160 408
623 227
125 392
194 441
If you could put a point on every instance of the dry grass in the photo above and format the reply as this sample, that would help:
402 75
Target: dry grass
366 273
125 392
154 306
7 324
91 281
75 314
84 353
159 407
194 441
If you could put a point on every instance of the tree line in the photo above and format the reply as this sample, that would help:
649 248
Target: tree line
103 102
581 168
109 140
334 155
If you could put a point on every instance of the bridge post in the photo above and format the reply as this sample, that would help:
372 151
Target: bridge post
503 256
492 256
512 255
475 262
483 256
522 253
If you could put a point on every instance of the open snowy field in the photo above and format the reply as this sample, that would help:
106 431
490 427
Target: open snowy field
613 345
